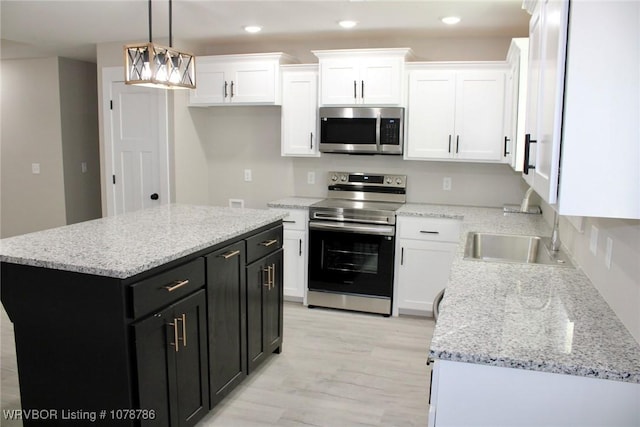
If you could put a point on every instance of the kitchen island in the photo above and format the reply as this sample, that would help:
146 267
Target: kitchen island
526 345
144 318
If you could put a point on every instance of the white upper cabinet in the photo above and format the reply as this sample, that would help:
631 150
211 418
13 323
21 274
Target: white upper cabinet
456 112
238 79
583 113
362 77
516 103
299 128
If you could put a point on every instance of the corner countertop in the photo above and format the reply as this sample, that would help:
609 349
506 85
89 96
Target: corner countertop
294 203
535 317
124 245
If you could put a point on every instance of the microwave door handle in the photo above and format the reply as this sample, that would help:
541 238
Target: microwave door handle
378 122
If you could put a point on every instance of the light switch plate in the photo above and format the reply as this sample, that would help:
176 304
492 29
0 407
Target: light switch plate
247 175
35 168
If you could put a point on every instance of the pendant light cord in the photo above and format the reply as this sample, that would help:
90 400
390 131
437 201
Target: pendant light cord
170 24
170 32
150 23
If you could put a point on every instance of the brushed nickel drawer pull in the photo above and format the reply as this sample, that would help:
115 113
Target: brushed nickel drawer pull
175 345
184 329
177 284
268 271
230 254
269 242
429 232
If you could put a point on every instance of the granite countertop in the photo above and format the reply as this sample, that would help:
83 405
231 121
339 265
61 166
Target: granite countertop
124 245
535 317
294 202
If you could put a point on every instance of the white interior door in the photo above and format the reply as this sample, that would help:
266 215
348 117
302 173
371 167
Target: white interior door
138 167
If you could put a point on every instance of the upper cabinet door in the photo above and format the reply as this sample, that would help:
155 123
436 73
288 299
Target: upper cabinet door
430 114
340 80
380 81
253 82
479 115
299 112
210 83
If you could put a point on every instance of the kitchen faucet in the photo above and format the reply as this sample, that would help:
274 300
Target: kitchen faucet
524 206
555 233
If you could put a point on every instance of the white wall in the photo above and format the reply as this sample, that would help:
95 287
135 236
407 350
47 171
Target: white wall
31 133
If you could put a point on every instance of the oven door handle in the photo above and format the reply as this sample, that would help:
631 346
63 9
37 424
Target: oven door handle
341 227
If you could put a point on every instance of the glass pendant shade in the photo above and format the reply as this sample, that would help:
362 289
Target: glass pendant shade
158 66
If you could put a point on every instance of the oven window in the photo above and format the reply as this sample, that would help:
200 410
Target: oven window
353 257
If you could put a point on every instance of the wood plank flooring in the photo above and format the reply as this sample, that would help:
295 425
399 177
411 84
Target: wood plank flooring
337 368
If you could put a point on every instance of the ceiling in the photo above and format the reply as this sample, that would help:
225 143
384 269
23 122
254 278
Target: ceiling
73 28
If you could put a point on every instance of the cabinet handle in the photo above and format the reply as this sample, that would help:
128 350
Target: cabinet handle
311 141
268 271
231 88
175 345
449 143
300 245
527 148
355 85
362 89
273 276
429 232
230 254
184 329
457 143
268 243
506 140
225 88
288 221
401 256
176 285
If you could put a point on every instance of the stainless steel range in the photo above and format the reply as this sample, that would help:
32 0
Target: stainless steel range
352 242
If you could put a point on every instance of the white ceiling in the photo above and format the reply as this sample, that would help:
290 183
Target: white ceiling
73 28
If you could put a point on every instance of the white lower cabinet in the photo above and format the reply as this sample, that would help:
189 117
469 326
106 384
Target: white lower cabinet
469 394
295 254
425 249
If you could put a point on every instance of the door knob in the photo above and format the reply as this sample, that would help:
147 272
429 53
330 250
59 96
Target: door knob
155 196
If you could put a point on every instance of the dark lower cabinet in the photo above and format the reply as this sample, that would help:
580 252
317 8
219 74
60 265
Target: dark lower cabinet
264 308
227 305
172 366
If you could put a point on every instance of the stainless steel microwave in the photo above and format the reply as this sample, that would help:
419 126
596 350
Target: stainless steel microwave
361 130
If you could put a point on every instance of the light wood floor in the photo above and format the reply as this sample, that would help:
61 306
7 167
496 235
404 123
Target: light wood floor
337 368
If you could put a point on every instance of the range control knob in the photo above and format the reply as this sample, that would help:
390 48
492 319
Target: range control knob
388 180
334 178
343 178
398 181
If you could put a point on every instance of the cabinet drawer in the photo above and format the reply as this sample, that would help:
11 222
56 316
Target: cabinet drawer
297 220
264 243
164 288
434 229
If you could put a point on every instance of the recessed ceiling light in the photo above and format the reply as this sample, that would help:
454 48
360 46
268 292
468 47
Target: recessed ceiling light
253 29
348 24
450 20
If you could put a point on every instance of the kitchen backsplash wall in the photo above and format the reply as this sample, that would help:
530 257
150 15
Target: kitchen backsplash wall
619 285
477 184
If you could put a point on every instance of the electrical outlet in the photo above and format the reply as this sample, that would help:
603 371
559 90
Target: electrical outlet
247 175
83 166
608 253
446 183
311 177
35 168
593 242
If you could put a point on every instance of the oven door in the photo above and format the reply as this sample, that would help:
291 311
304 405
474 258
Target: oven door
351 258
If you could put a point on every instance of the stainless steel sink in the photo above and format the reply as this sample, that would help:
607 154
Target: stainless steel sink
493 247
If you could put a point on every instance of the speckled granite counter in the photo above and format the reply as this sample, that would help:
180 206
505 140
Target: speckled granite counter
125 245
293 203
536 317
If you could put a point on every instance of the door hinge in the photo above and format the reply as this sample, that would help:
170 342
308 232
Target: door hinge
114 178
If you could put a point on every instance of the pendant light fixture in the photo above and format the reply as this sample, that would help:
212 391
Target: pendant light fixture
158 66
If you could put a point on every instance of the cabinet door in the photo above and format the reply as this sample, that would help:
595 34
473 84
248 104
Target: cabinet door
211 87
339 82
294 273
253 82
171 358
299 113
264 308
431 112
423 272
226 289
380 81
479 119
533 86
